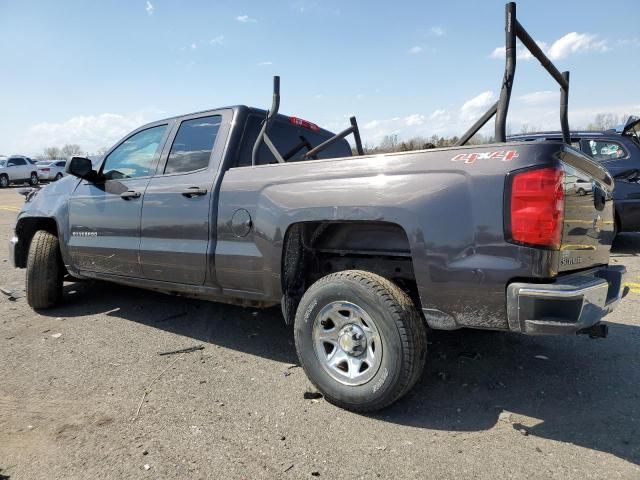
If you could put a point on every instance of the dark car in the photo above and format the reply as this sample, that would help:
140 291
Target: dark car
618 150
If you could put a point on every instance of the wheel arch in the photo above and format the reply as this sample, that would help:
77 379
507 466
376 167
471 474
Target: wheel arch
313 249
25 230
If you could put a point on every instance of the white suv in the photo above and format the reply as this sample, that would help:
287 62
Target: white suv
17 169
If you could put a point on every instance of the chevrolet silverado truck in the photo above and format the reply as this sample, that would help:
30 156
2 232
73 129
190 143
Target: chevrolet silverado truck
365 253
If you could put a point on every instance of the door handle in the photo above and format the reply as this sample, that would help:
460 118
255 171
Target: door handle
129 194
194 191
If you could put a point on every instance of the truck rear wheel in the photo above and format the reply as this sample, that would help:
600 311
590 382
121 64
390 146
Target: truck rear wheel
360 340
44 271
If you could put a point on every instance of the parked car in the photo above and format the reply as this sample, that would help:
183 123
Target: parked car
619 152
51 170
363 253
17 169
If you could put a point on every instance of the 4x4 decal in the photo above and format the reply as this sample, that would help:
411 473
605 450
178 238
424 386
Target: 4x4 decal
504 155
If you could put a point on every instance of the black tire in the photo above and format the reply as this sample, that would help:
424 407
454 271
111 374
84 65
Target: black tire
4 181
33 179
58 177
581 192
401 329
44 271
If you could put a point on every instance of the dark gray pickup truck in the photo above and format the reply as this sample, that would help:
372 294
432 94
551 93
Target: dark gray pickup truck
365 253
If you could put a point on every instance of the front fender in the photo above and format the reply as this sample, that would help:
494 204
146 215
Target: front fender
50 204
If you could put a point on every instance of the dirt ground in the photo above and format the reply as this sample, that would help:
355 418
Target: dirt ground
489 405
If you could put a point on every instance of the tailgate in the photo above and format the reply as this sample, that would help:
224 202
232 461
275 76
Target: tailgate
588 229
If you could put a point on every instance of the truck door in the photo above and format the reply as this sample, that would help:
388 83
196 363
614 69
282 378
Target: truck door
104 217
178 208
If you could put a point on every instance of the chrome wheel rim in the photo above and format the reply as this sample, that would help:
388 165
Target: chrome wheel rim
4 181
34 179
347 343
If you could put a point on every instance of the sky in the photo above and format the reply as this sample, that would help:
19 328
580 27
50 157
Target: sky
88 72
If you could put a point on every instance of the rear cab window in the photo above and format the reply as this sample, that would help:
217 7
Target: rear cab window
286 136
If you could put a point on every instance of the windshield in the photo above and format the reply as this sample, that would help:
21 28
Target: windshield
43 164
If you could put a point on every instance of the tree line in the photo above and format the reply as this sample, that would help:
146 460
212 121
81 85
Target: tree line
61 153
393 143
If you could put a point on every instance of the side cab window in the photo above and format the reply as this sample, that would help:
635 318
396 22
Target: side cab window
136 156
604 150
193 144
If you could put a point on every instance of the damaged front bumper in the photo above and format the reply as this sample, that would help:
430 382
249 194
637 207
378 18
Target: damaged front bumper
573 303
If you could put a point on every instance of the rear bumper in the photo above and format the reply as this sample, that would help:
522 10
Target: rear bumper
572 303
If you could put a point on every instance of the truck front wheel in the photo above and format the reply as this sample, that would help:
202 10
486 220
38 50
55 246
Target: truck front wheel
360 340
44 271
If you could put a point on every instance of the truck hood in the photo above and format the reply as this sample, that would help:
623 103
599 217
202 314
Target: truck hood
44 201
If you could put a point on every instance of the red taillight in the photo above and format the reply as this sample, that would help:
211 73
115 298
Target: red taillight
45 169
304 123
537 207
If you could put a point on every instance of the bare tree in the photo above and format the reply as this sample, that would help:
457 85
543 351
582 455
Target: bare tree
71 150
389 143
52 153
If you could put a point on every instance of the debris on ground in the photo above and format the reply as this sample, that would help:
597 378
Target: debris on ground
505 416
56 335
541 357
183 350
469 355
288 468
148 389
172 317
309 395
146 466
13 293
444 376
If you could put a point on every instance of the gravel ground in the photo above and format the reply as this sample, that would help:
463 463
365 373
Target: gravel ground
489 405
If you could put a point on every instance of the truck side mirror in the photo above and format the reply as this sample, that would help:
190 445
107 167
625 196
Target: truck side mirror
82 168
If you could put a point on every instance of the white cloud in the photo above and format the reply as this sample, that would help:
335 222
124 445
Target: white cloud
521 52
437 113
414 120
245 19
149 8
219 40
476 106
193 46
91 132
264 64
416 49
570 43
437 31
574 43
536 98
